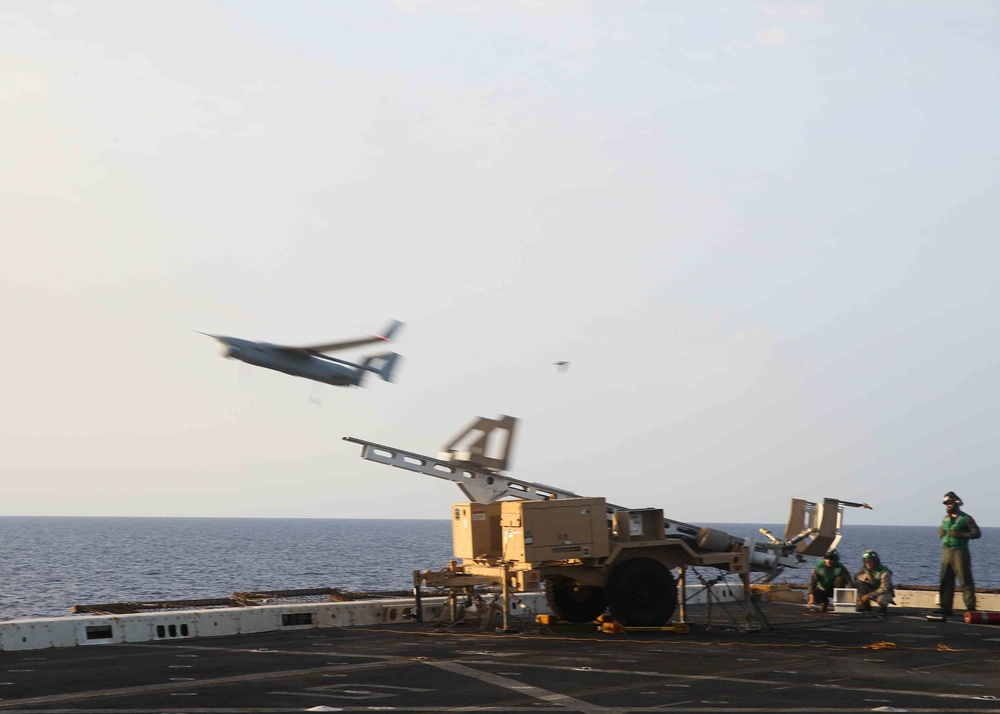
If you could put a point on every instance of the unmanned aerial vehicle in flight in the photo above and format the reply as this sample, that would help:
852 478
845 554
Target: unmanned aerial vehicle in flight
311 362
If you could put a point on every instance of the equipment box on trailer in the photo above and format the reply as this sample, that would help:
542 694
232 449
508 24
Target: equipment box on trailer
539 531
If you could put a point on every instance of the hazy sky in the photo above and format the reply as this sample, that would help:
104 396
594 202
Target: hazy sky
764 234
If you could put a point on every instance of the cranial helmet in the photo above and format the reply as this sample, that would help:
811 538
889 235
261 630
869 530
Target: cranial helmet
952 497
832 554
870 555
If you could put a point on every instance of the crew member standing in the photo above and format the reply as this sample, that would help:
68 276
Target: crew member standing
957 529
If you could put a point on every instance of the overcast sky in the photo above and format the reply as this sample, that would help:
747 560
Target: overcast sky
763 233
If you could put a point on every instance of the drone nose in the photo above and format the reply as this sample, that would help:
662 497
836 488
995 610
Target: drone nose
230 348
227 348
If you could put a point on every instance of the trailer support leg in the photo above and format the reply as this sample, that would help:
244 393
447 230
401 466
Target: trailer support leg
682 589
506 596
418 607
747 599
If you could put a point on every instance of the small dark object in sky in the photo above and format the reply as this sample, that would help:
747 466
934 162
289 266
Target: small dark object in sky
561 366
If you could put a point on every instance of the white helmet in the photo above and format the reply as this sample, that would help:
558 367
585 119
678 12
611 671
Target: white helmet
952 497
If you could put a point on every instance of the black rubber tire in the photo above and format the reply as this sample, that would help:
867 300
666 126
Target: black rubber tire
641 592
572 601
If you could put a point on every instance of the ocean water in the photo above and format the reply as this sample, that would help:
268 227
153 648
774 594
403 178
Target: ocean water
49 564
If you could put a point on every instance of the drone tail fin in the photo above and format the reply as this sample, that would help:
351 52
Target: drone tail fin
382 365
390 330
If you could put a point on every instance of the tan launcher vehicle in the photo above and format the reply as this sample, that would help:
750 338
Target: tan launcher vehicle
589 555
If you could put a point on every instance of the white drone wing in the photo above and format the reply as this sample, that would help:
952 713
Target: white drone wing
386 335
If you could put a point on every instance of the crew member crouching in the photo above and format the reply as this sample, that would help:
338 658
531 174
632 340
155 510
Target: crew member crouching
874 584
827 575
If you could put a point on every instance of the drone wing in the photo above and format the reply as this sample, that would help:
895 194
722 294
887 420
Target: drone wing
386 335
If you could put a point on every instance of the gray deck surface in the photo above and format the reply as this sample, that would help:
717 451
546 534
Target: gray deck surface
808 663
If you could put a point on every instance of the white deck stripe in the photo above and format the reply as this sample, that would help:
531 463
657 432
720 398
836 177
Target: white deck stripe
563 700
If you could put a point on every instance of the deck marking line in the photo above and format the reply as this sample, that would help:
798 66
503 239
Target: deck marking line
747 680
508 710
906 692
181 686
937 666
311 653
564 700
